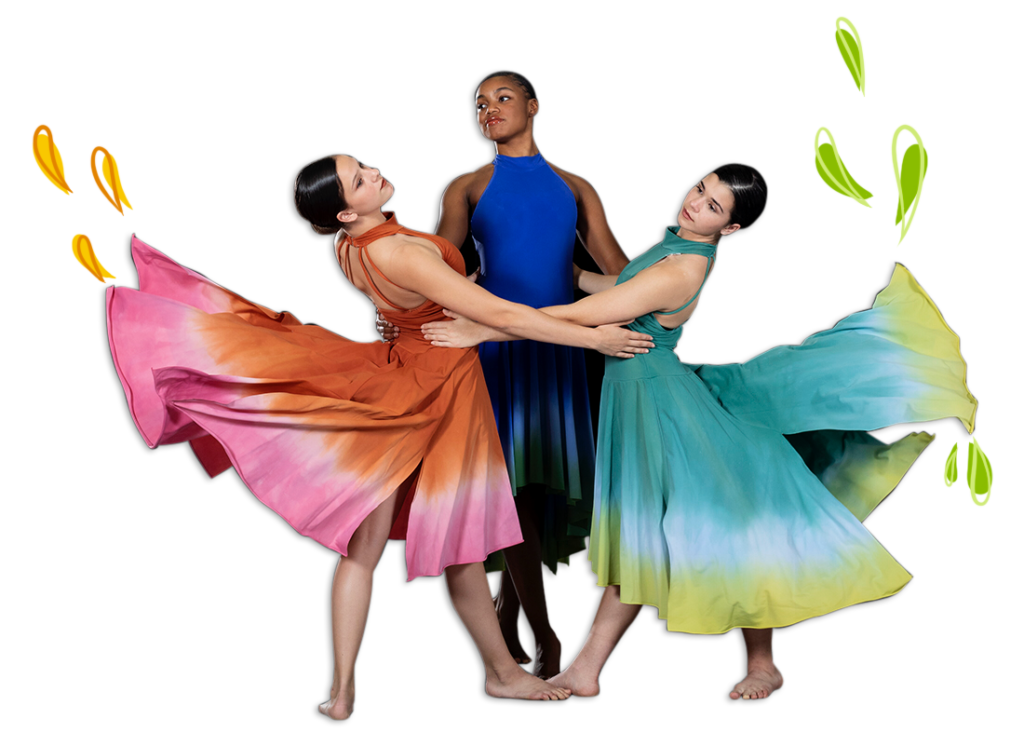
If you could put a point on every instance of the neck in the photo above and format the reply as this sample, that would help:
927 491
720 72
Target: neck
363 223
519 145
697 237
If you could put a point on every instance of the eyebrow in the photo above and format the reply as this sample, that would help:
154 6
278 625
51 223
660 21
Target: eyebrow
710 197
503 88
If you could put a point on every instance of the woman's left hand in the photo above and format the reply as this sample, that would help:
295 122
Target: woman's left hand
460 332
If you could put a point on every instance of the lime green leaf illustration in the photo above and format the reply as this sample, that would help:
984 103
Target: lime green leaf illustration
951 467
910 182
853 53
834 172
910 175
979 473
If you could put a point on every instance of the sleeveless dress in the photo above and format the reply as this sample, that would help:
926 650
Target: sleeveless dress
321 429
524 228
706 510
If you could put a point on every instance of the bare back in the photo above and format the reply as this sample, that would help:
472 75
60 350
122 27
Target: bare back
368 270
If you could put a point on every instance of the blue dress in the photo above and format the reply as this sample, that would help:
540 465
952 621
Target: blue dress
733 495
524 228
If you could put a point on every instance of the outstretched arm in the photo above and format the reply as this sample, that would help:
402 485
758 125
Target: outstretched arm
418 269
452 224
663 287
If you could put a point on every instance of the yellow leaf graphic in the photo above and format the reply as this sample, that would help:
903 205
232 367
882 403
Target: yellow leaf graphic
81 246
113 179
48 159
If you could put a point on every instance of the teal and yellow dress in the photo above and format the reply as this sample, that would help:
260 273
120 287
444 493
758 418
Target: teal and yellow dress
733 495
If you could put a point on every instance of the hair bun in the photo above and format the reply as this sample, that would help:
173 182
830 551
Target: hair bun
325 230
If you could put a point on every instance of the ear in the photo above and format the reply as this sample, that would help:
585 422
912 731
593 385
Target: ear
347 216
731 229
532 107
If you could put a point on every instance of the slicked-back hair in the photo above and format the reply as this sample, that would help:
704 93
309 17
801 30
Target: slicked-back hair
319 195
749 191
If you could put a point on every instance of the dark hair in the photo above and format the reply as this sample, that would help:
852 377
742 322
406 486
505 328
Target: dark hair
319 195
521 81
749 192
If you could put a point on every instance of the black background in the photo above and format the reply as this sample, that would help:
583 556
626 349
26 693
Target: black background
152 596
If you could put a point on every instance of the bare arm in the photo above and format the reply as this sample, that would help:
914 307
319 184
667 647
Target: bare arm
453 223
594 231
422 271
591 282
663 287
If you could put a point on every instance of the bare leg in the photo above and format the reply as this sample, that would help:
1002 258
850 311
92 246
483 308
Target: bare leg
612 620
525 569
350 602
763 677
471 598
506 603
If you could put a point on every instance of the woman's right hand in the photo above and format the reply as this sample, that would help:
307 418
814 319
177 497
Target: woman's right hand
385 328
616 340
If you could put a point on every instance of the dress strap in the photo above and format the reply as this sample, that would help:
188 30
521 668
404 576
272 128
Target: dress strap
711 259
364 257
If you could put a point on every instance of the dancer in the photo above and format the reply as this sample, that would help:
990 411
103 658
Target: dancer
703 508
522 215
348 442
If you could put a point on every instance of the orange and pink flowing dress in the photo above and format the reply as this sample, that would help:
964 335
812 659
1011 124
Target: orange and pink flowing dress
320 428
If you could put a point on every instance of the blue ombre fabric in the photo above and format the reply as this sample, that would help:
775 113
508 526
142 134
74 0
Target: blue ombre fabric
524 227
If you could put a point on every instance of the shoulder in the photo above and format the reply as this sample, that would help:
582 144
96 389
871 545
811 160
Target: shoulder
687 269
469 186
582 188
466 181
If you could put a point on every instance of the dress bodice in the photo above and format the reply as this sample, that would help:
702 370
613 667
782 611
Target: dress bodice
408 320
524 227
663 356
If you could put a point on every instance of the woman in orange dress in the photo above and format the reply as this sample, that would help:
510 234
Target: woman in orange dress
350 443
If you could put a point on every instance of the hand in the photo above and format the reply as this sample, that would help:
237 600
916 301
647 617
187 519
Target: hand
617 341
385 328
474 277
460 332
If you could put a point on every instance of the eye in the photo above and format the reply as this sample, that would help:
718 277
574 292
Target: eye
712 206
359 183
699 190
480 106
503 98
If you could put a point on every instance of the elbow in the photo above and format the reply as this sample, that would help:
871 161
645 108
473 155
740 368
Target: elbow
508 320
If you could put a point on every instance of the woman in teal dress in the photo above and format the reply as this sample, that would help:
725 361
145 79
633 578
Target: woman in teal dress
733 495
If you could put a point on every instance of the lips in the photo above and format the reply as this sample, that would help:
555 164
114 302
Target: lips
493 120
383 182
687 215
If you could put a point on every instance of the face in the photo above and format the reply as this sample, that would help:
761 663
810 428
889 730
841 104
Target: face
365 190
707 209
502 108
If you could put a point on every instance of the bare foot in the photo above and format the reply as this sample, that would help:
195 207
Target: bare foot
580 684
517 684
549 657
762 679
339 708
510 631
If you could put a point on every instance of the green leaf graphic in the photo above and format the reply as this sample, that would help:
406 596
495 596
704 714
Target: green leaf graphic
909 185
979 474
853 54
834 172
951 467
909 175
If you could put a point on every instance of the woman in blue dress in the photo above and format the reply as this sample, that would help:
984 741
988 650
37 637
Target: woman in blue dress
522 214
733 495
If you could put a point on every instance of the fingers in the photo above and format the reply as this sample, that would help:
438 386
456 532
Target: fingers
451 314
